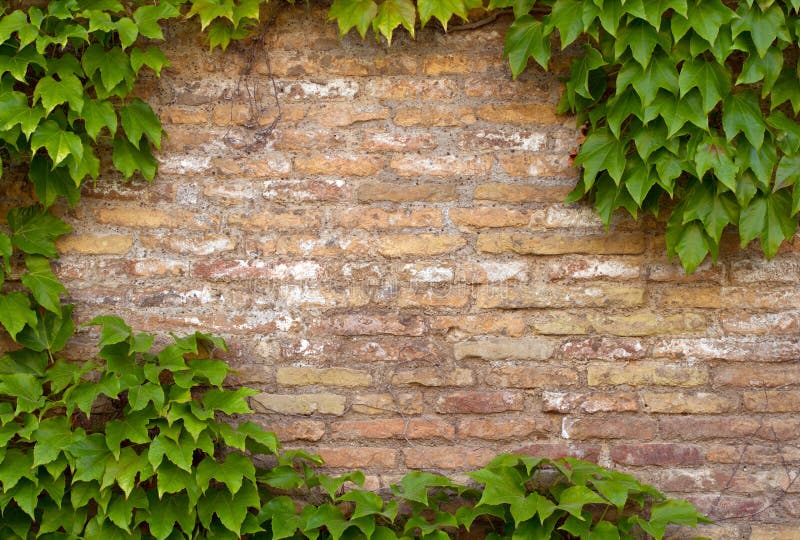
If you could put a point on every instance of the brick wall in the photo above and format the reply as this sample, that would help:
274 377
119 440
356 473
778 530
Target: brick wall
394 269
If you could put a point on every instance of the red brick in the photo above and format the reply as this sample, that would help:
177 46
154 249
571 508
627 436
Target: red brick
610 427
358 457
662 454
428 457
479 402
513 428
394 428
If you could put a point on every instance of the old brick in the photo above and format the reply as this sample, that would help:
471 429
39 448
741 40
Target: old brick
560 449
761 323
206 244
272 165
370 325
397 403
459 63
604 348
399 192
684 402
532 376
380 141
95 244
560 323
523 114
502 324
358 457
590 268
183 115
154 218
434 377
296 430
304 376
709 427
647 323
426 457
434 116
299 403
495 429
492 272
339 164
456 297
277 220
730 348
645 374
394 428
783 531
594 402
440 166
379 218
401 245
528 244
479 402
237 269
516 139
610 427
401 88
772 400
553 296
346 114
520 193
481 218
538 166
505 349
757 375
662 454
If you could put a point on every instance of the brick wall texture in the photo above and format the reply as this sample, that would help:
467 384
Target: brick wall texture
395 270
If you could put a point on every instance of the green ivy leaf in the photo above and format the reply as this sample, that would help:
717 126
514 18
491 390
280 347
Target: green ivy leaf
706 17
44 285
353 13
764 27
526 38
34 231
638 36
391 14
443 10
128 159
769 218
18 62
147 18
114 330
601 151
564 15
127 30
228 401
98 114
742 114
53 93
152 57
710 78
113 65
58 142
15 313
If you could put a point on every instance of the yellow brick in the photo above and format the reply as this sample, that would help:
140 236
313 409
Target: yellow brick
557 296
400 192
538 166
378 218
347 165
647 323
95 244
434 116
688 403
520 193
303 376
441 166
401 245
522 114
646 373
153 218
299 403
480 218
525 244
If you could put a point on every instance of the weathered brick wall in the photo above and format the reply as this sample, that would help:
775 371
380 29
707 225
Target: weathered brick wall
394 269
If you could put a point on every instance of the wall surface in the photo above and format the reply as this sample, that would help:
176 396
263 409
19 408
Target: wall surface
394 269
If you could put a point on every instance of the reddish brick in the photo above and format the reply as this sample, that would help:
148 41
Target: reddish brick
479 402
610 427
662 454
394 428
494 429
